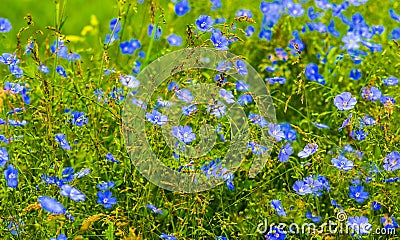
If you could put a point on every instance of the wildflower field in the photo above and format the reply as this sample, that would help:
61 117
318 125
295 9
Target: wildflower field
208 119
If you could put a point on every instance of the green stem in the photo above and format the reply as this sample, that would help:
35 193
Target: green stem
146 61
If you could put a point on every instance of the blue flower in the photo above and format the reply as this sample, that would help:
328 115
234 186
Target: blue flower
390 81
173 86
346 122
371 93
106 199
204 23
244 13
394 15
355 74
290 133
296 10
358 2
352 41
9 59
79 119
215 169
221 238
130 46
11 176
184 95
51 180
136 67
265 34
156 118
224 66
4 157
61 139
312 14
376 206
163 103
219 40
82 173
110 38
249 30
29 47
389 223
256 148
182 7
104 186
311 71
358 135
167 237
72 192
342 163
275 233
301 187
320 125
391 180
273 80
14 88
15 227
157 33
360 225
345 101
308 150
317 184
16 123
154 209
332 30
319 27
335 204
183 133
378 29
51 205
115 25
275 132
226 95
395 35
258 120
358 194
276 204
240 66
285 152
392 161
129 81
60 70
111 158
60 237
218 109
272 12
245 99
16 71
367 121
242 86
139 103
5 25
59 48
313 217
216 4
174 40
4 139
387 100
67 175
